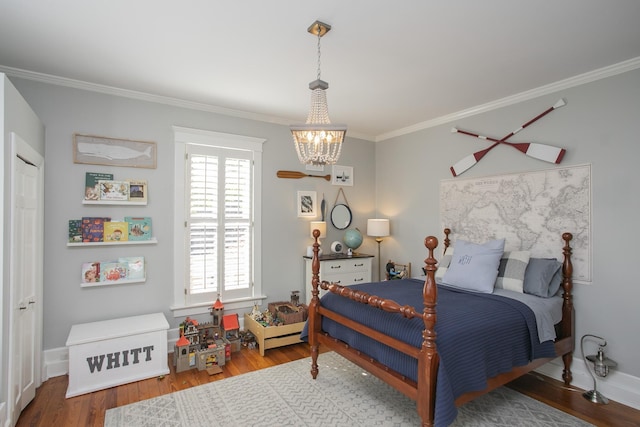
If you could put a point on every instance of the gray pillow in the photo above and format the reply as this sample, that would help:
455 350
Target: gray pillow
543 277
474 267
511 271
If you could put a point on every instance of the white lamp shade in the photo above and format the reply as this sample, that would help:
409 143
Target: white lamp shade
377 227
318 225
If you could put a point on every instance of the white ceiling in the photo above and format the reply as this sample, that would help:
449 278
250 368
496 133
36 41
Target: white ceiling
391 65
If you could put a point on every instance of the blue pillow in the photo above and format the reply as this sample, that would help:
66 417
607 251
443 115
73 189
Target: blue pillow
474 267
543 277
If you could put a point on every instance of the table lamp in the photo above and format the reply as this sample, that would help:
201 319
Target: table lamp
378 228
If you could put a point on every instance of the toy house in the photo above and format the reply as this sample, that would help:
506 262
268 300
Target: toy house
217 311
200 346
231 328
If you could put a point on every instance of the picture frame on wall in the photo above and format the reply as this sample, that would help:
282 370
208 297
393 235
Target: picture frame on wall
138 190
307 204
101 150
342 175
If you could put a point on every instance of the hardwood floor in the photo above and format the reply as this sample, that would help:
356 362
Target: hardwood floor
50 408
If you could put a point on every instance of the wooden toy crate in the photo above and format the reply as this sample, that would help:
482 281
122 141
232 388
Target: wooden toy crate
287 312
273 336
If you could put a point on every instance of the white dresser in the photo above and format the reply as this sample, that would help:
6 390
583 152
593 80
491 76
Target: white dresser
342 269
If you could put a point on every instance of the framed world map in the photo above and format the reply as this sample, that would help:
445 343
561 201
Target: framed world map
530 210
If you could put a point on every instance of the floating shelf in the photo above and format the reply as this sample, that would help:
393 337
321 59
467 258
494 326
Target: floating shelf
113 202
151 241
112 283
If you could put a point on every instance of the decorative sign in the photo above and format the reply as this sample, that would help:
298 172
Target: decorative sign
99 150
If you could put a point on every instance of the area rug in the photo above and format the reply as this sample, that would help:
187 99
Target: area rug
342 395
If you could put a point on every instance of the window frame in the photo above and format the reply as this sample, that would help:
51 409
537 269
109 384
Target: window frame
184 137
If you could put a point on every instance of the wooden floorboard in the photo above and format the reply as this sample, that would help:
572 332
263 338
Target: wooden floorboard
50 408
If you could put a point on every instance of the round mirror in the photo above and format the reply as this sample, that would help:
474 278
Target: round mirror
341 216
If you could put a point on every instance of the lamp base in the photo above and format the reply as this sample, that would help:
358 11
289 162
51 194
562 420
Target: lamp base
595 396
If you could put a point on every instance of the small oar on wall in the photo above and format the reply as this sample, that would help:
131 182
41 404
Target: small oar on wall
296 175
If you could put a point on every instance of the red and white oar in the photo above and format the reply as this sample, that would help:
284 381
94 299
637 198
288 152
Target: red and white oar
544 152
547 153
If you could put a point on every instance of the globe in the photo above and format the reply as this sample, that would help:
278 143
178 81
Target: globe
353 239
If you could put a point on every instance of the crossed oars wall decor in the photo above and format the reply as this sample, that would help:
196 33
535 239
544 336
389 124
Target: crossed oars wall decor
548 153
297 175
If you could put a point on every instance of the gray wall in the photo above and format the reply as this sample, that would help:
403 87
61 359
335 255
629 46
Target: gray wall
66 111
599 125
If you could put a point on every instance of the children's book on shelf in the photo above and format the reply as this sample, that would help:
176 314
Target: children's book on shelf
135 266
90 272
116 231
113 271
75 231
93 229
139 227
137 190
91 187
114 190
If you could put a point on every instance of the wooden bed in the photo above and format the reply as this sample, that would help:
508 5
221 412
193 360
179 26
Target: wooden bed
423 390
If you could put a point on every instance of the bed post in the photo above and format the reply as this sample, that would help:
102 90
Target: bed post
428 359
314 317
447 242
568 327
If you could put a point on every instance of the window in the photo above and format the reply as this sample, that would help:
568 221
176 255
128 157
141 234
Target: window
217 232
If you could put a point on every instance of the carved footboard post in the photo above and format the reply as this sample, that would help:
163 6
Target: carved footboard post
567 328
314 316
428 358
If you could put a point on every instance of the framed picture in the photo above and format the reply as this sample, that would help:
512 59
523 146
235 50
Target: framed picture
100 150
342 175
137 190
307 204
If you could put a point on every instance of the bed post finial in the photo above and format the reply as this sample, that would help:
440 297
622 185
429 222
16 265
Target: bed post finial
447 242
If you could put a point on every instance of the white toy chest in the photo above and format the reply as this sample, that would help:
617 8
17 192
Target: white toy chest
119 351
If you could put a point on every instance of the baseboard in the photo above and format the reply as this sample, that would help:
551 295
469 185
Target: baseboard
56 363
620 387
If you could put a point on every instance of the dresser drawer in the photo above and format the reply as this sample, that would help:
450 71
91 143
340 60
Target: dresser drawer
343 271
345 266
347 279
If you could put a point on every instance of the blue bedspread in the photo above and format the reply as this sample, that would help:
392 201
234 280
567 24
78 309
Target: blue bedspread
478 336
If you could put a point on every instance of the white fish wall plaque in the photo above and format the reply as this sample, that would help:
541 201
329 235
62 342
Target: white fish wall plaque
98 150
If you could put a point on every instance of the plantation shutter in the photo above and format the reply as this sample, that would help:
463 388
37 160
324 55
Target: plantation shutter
219 225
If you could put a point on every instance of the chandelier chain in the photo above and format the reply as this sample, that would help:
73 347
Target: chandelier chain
319 36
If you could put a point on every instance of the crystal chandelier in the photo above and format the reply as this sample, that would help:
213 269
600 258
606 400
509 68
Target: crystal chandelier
318 142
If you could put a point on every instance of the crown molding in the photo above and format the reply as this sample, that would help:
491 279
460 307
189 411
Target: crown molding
591 76
142 96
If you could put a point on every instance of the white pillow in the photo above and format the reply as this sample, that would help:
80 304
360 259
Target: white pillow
444 264
511 271
474 267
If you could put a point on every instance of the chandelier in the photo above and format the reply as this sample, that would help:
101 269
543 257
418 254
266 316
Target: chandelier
318 142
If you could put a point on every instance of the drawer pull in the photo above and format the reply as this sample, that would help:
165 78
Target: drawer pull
359 280
358 265
333 267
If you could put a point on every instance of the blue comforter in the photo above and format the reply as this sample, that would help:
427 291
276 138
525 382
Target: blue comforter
478 336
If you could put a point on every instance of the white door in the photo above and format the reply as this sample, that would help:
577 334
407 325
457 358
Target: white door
26 274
